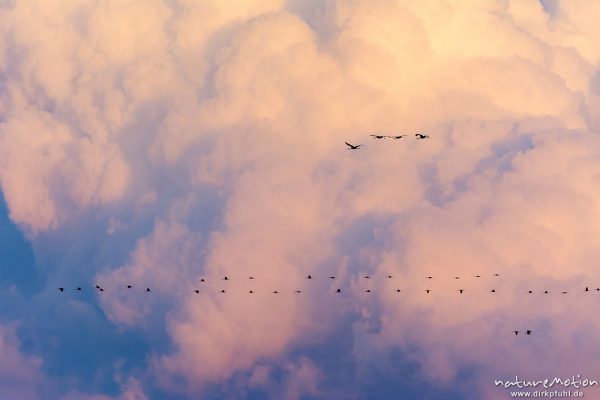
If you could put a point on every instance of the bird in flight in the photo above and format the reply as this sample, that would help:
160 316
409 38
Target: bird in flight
223 291
531 291
389 277
430 277
202 280
587 289
493 291
298 291
528 332
250 277
368 291
422 136
79 289
251 291
397 137
427 290
378 136
309 277
275 291
225 278
545 292
332 277
398 290
456 277
461 290
99 288
353 146
148 289
339 291
477 276
129 286
367 277
62 289
197 291
496 274
516 332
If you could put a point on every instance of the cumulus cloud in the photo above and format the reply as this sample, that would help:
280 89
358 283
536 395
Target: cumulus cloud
20 375
209 136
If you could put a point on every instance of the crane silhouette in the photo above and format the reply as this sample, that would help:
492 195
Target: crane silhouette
352 146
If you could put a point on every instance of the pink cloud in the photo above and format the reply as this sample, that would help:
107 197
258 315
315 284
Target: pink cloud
20 375
150 107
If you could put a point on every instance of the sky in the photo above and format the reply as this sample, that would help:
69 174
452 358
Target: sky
155 143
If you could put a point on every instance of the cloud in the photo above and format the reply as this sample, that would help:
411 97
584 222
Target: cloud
129 390
198 139
20 375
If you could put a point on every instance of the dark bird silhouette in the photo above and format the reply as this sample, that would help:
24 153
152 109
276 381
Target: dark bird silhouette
587 289
598 289
378 136
275 291
456 277
251 291
368 291
564 292
531 291
367 277
298 291
422 136
62 289
79 289
225 278
352 146
99 288
197 291
129 286
427 290
430 277
496 274
332 277
398 290
516 332
477 276
545 291
202 280
461 290
148 289
309 277
493 290
528 332
339 291
223 291
397 137
250 277
102 290
389 277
